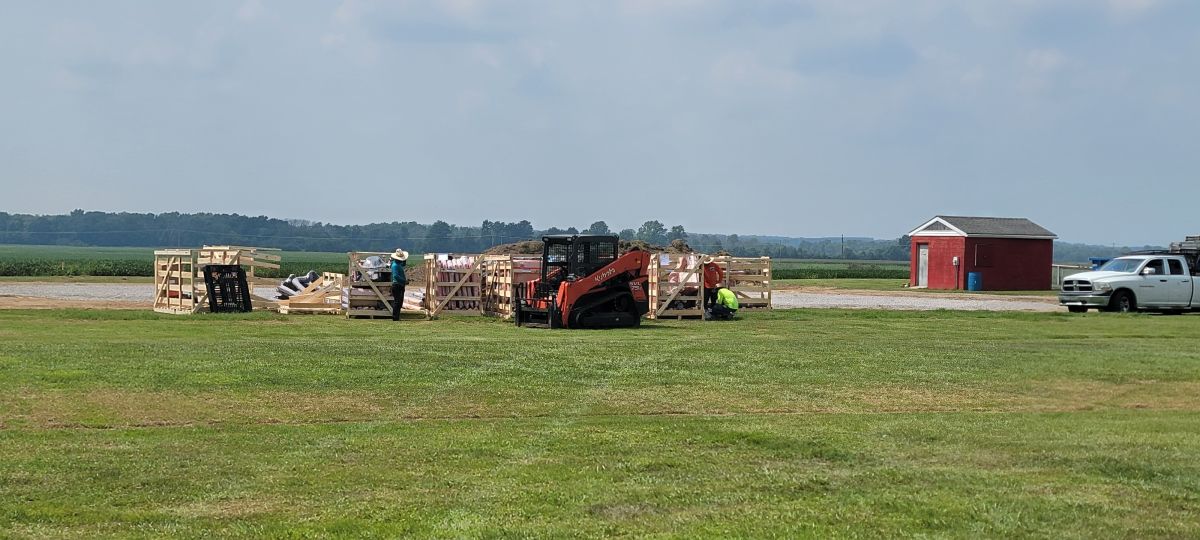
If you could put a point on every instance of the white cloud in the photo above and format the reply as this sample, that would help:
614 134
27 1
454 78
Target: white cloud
464 9
742 69
1130 8
1045 60
250 10
641 8
348 11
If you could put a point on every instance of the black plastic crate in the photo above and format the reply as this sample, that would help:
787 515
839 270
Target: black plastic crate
228 291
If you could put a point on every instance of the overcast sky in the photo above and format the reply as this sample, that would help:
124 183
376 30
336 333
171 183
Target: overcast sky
799 118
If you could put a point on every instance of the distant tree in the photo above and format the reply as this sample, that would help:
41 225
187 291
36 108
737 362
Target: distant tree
653 232
438 237
522 230
627 234
598 227
572 230
554 230
677 233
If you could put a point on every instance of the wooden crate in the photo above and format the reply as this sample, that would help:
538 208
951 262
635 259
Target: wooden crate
676 286
179 285
321 297
498 275
363 298
175 281
452 283
250 258
749 278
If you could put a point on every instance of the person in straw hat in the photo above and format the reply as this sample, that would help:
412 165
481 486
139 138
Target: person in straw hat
713 276
399 280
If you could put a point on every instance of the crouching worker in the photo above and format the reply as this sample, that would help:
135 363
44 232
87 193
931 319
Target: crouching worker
399 280
725 307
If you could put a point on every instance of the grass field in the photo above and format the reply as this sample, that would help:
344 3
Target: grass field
838 264
24 260
824 269
791 423
77 253
69 261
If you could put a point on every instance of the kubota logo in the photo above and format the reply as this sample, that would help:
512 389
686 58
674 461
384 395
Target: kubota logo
607 274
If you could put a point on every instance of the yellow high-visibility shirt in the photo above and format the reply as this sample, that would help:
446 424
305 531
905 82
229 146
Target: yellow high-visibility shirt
726 298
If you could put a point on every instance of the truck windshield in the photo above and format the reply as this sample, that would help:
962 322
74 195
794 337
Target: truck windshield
1128 266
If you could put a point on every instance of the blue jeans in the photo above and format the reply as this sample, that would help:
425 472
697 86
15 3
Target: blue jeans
721 312
397 300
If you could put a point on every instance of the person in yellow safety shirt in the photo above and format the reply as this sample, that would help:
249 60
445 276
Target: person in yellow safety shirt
726 305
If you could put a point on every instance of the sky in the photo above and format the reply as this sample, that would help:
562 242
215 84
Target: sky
797 118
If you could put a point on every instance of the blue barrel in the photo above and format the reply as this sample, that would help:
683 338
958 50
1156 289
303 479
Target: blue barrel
974 281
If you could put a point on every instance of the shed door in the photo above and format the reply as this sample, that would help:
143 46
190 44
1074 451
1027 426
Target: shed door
922 265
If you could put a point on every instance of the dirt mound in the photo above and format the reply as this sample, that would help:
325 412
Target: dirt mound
528 247
534 247
677 247
416 274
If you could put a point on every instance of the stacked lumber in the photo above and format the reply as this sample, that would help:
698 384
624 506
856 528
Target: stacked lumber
1190 244
321 297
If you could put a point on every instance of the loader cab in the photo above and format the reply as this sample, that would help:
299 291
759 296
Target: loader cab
574 256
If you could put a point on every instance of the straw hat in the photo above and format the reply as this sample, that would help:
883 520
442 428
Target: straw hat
708 259
400 255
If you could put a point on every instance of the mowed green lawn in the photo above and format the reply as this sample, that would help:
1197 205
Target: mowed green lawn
792 423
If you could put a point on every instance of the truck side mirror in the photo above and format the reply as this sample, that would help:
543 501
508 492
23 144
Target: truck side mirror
1148 271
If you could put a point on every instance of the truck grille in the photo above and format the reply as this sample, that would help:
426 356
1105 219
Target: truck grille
1076 285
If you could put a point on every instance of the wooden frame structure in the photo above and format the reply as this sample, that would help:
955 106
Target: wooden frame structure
499 273
179 286
321 297
450 288
749 278
175 281
363 298
676 286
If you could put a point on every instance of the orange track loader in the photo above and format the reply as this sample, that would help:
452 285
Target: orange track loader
584 284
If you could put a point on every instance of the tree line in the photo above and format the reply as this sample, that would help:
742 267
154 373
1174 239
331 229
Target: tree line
174 229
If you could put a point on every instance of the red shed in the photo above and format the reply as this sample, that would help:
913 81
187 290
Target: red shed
1007 254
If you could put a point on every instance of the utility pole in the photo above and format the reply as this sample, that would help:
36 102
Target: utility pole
843 247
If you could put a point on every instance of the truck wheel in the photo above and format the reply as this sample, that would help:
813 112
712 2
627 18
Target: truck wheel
1077 309
1123 302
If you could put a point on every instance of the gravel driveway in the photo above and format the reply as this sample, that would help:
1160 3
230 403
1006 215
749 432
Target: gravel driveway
785 299
85 292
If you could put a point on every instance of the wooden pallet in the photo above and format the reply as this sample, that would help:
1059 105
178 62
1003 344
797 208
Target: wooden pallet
498 275
451 288
749 278
362 298
676 286
179 286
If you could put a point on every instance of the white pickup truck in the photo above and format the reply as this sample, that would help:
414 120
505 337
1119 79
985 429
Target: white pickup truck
1159 282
